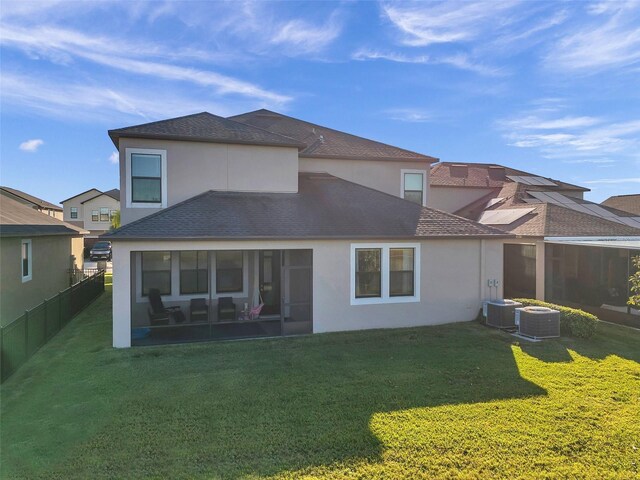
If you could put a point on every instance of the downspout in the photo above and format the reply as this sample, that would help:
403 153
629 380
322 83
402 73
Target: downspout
482 270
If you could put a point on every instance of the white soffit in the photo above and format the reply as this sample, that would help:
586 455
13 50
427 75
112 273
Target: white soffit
531 180
504 216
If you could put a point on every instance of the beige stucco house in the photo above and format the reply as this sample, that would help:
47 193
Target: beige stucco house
319 229
37 253
92 210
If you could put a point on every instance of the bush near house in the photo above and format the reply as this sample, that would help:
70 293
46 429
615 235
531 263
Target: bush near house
573 322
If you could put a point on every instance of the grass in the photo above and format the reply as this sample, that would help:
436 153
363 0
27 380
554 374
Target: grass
455 401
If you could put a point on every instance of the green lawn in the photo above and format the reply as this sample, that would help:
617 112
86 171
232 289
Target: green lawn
456 401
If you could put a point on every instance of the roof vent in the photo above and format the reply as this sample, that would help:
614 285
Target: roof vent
459 170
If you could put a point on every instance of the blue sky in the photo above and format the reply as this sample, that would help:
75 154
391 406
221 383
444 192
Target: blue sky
547 87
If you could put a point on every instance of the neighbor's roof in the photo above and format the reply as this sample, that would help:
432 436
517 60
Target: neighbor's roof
18 220
324 142
324 207
31 199
82 193
485 175
204 127
627 203
113 193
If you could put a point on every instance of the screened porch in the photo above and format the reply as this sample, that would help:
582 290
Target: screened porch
200 295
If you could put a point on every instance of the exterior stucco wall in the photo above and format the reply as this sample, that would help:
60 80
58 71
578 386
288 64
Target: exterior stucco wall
103 201
379 175
452 199
196 167
50 263
453 282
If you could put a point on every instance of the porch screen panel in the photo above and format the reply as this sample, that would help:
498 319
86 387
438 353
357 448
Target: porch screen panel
156 272
401 272
146 178
194 272
229 271
368 272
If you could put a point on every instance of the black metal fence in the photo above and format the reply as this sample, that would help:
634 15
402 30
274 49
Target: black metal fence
20 339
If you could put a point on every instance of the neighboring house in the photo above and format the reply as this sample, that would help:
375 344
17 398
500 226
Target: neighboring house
92 210
568 250
36 203
626 203
37 253
327 230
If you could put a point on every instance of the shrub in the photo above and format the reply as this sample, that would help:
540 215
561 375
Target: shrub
573 322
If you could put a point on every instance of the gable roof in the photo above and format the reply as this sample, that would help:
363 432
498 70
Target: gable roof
324 142
113 193
17 219
486 175
627 203
324 207
31 199
82 193
204 127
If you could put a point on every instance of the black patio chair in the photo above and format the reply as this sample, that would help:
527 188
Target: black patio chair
158 313
226 309
199 310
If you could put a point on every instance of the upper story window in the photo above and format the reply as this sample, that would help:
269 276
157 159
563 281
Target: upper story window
95 217
414 186
26 260
385 273
74 212
104 214
146 172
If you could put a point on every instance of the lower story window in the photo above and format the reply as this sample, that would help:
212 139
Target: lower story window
26 260
385 273
229 271
368 269
194 272
156 272
401 275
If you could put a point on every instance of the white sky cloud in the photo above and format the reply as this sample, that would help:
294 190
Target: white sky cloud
413 115
613 181
114 158
31 145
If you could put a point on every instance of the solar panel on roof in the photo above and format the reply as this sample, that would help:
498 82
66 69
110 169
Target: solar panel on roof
503 217
532 180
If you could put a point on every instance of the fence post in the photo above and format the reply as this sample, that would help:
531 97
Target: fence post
46 320
26 334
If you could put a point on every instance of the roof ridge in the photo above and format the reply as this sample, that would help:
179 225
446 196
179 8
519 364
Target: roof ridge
337 131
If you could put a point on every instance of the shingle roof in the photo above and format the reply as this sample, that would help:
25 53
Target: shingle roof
113 193
82 193
627 203
484 175
324 207
323 142
16 219
30 198
204 127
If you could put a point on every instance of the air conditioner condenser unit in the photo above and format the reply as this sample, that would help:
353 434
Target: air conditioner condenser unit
500 313
538 322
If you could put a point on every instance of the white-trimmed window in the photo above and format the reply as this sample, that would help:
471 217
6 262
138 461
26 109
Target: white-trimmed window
104 214
146 174
414 186
74 212
27 261
385 273
95 217
229 271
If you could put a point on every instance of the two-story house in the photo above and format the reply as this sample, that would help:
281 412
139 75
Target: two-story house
318 229
92 210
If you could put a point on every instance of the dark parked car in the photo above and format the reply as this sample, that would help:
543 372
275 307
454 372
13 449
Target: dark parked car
101 250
